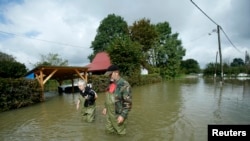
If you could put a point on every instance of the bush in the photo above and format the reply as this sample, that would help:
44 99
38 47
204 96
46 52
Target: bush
16 93
12 69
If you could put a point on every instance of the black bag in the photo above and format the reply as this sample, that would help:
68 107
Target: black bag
90 100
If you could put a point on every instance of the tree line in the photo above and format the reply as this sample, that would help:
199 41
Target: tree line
236 67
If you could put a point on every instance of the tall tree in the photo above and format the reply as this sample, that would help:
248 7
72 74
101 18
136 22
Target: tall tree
170 52
6 57
10 68
237 62
175 53
210 69
110 27
190 66
51 60
127 55
160 52
143 31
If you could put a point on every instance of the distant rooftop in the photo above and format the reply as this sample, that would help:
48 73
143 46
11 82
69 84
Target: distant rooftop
100 63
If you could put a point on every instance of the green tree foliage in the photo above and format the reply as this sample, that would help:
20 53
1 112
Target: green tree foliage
111 27
6 57
237 62
211 69
160 52
51 60
175 52
126 54
17 93
10 68
190 66
169 51
155 45
228 70
143 31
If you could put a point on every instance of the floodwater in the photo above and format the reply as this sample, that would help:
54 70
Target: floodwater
175 110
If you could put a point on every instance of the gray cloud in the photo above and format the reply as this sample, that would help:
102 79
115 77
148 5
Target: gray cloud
75 23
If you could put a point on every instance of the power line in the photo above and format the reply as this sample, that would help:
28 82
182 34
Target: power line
217 25
204 13
54 42
230 41
219 43
197 38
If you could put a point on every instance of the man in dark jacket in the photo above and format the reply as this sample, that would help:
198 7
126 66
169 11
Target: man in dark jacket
87 100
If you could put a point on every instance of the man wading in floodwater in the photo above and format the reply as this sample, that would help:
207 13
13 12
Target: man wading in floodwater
118 102
87 100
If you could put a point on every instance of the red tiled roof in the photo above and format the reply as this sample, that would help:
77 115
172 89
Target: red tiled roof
100 63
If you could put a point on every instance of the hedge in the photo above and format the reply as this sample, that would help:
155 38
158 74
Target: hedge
16 93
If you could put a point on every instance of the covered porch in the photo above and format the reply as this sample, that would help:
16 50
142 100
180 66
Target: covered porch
58 73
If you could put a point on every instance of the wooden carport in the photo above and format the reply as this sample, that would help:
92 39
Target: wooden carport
59 73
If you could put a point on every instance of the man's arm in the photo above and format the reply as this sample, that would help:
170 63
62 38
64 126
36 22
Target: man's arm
127 100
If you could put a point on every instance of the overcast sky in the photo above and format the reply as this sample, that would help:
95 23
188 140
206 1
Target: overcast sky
67 27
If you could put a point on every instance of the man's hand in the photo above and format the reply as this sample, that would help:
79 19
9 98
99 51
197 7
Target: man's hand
77 104
104 111
120 119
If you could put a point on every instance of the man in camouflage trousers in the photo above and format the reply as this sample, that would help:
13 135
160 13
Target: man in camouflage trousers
118 102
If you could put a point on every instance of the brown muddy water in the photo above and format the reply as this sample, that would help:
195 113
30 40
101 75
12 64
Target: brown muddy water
174 110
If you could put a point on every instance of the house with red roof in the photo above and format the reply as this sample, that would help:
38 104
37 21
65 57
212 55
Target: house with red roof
100 63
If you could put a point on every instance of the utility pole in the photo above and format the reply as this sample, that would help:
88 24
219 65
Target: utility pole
218 31
221 64
215 66
247 62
